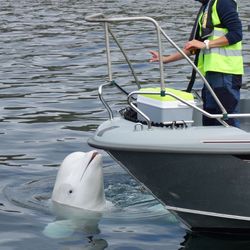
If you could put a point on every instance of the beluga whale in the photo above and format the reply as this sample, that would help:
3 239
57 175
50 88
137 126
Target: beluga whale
78 198
79 182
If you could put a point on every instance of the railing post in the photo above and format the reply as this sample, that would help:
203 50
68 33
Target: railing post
106 28
161 60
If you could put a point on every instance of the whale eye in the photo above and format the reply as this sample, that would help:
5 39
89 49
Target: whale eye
70 191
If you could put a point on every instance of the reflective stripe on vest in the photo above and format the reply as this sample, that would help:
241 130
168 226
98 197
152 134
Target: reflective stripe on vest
230 50
223 52
226 59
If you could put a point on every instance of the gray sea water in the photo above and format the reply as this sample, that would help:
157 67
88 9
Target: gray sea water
51 64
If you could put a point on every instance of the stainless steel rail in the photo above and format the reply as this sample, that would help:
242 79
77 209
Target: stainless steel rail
126 58
100 18
197 70
219 117
111 116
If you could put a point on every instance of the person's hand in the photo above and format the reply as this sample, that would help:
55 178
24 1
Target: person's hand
155 56
194 44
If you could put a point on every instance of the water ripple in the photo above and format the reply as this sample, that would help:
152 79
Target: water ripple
52 63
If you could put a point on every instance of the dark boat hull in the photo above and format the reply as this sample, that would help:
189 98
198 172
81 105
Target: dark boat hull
206 191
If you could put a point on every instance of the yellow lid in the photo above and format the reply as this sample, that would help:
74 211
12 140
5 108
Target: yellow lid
182 94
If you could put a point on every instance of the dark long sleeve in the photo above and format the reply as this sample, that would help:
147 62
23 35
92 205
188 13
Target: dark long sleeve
227 11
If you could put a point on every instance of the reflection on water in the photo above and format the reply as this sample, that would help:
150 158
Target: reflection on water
51 65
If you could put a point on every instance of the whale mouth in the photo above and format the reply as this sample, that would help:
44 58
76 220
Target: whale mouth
94 154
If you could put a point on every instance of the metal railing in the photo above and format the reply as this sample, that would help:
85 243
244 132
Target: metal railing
100 18
219 117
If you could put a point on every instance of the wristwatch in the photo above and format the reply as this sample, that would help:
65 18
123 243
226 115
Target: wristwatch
207 43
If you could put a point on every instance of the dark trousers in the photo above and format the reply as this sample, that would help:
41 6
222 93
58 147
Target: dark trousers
227 88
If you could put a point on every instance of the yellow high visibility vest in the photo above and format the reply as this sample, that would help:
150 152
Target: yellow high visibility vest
227 59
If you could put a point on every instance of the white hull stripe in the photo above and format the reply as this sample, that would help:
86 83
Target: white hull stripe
199 212
226 141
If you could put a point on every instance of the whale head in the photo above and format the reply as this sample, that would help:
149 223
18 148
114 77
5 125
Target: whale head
79 182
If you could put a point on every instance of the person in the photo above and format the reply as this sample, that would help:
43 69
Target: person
217 41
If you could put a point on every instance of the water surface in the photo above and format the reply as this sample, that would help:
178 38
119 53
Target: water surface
52 63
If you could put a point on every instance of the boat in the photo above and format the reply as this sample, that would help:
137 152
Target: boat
201 174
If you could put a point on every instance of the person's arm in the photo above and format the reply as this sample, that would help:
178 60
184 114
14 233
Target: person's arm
227 11
195 44
170 58
229 18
